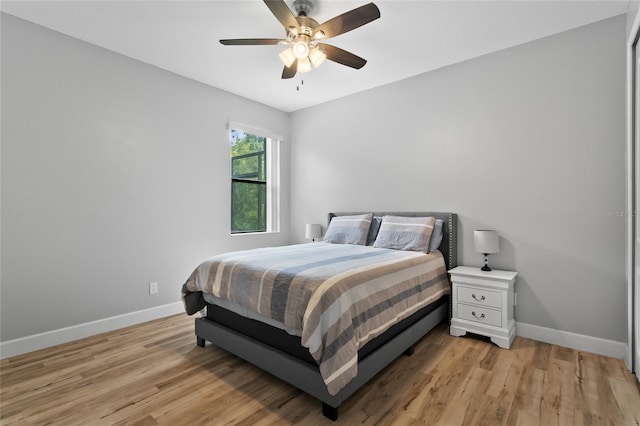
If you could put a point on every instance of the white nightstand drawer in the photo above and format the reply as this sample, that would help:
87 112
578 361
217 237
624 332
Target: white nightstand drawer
480 296
479 314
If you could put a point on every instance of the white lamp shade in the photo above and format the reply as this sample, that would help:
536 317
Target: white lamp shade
317 57
314 230
486 241
287 57
300 49
304 65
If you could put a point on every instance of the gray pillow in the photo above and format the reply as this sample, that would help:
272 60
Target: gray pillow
405 233
373 230
348 229
436 236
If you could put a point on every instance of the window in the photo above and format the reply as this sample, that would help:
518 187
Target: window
254 182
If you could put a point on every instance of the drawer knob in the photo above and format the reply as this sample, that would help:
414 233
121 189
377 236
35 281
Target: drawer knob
476 297
479 317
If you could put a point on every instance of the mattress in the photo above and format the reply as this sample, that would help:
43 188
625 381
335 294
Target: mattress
245 312
278 338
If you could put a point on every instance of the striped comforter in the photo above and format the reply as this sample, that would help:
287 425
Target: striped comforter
340 296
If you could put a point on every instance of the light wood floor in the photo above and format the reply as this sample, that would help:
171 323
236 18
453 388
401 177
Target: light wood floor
155 374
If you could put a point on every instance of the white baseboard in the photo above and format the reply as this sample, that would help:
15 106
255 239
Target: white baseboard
80 331
64 335
575 341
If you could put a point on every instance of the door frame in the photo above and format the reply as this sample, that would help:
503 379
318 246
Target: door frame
633 197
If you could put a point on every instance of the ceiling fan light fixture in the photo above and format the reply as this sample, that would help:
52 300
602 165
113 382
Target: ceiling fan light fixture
301 49
304 65
317 56
287 57
319 35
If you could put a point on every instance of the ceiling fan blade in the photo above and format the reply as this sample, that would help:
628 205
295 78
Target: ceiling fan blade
290 72
250 41
282 12
341 56
349 21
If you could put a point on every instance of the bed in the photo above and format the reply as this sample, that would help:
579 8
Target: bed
298 325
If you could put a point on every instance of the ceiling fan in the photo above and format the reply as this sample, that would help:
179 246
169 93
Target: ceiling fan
304 36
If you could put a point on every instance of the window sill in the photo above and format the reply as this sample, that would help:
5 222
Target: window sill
240 234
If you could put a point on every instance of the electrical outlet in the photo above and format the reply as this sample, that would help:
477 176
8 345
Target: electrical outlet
153 288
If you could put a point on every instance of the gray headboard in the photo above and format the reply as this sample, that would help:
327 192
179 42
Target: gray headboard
449 245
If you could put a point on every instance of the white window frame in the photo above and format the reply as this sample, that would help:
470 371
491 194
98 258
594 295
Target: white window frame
273 176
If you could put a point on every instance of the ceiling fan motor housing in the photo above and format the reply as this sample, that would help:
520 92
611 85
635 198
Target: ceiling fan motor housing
307 25
303 7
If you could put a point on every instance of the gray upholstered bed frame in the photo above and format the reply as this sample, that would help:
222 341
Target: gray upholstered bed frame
307 377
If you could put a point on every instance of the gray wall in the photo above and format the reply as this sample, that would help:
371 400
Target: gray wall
528 141
114 174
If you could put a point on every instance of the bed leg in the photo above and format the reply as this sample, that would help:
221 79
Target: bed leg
410 350
200 341
330 412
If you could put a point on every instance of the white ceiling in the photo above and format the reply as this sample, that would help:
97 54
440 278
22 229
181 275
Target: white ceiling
410 38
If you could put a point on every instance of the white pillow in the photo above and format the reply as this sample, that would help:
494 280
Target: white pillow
405 233
348 229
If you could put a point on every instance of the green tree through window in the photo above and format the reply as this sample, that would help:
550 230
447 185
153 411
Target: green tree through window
248 182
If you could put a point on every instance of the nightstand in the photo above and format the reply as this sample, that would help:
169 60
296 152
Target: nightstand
483 303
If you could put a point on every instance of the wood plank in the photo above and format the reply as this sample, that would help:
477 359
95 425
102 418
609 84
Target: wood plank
153 374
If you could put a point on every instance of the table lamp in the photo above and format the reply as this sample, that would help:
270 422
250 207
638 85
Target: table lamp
314 230
486 242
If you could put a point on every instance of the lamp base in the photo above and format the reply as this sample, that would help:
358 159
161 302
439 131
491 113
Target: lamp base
485 267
